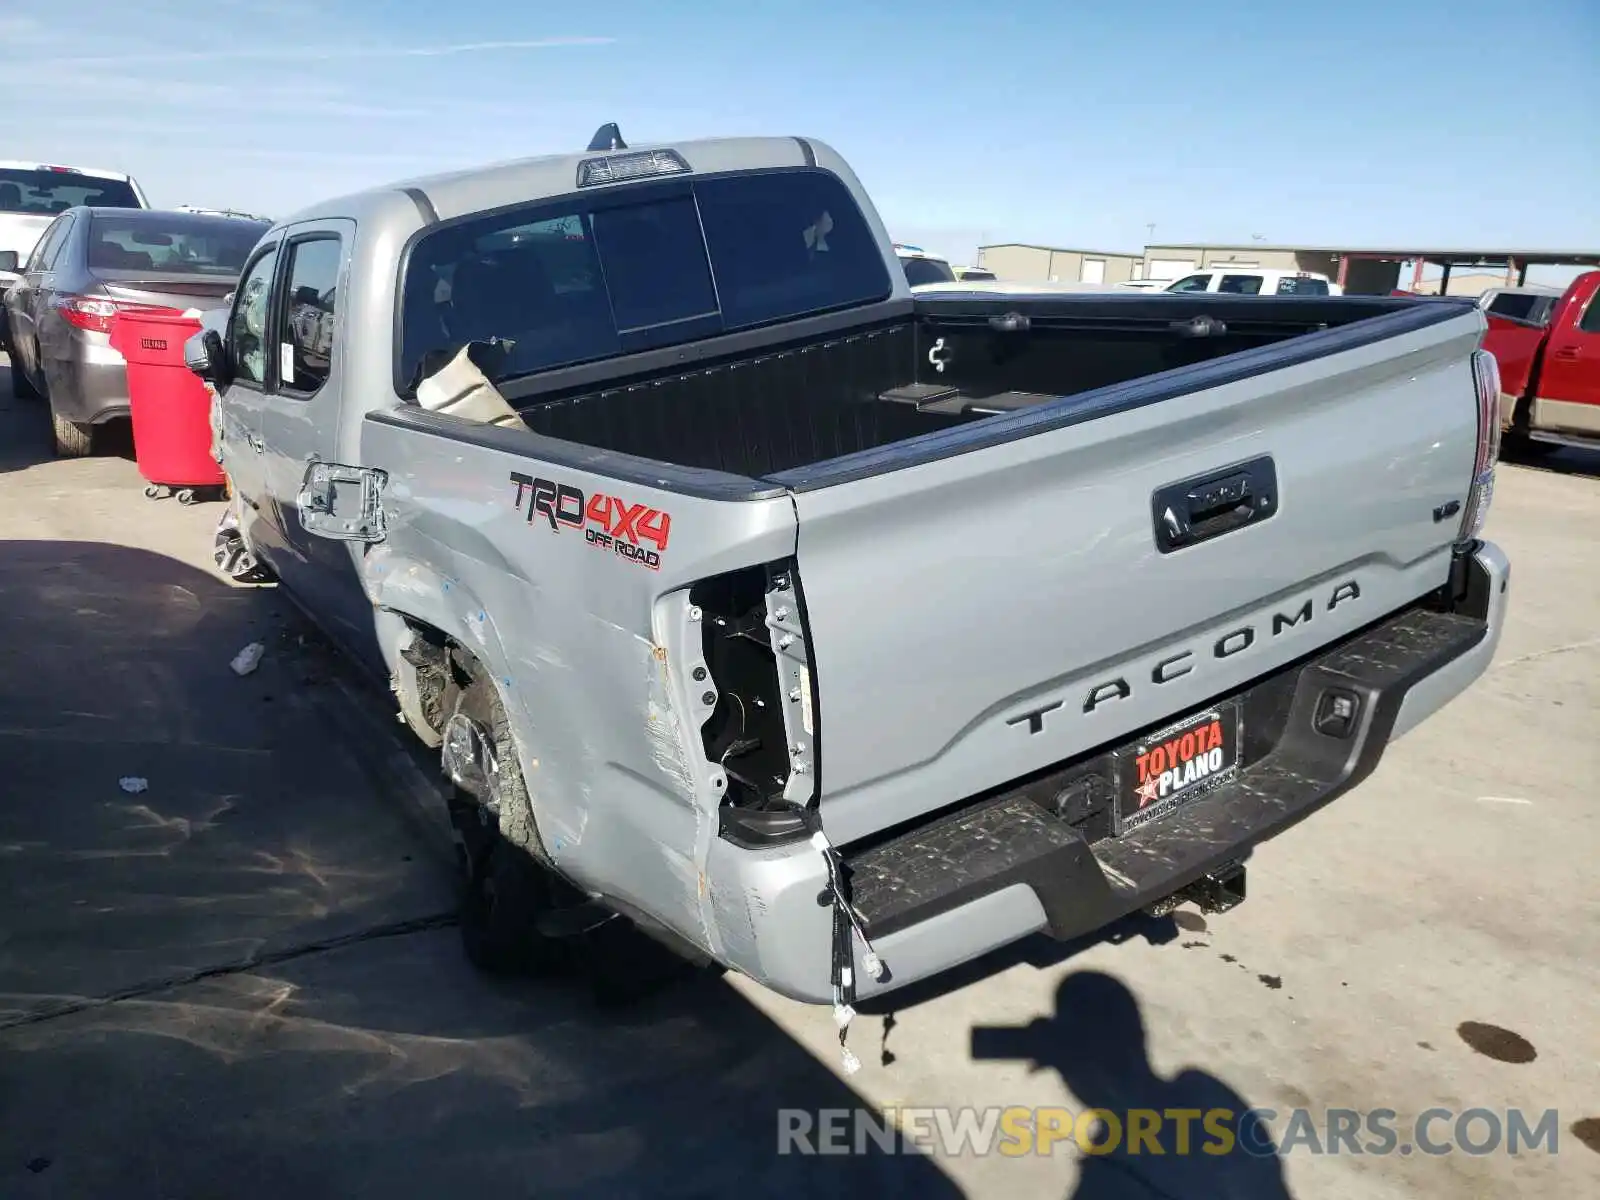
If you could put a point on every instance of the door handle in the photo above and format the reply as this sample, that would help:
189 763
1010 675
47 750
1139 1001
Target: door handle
1567 353
1203 507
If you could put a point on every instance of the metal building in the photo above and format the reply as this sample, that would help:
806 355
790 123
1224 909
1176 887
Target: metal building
1358 270
1364 270
1056 264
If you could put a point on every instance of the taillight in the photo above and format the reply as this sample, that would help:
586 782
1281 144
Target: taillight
757 701
95 314
1486 380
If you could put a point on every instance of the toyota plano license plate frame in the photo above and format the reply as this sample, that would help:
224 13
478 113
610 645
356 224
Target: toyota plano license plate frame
1170 767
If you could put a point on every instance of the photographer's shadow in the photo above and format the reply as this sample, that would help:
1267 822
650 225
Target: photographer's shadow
1096 1042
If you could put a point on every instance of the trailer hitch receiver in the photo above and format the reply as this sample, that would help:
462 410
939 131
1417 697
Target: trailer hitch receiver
1218 890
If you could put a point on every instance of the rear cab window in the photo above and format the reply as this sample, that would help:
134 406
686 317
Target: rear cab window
1299 285
623 270
927 270
40 193
1520 306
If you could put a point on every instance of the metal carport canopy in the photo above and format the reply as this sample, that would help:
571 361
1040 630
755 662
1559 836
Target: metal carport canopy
1509 260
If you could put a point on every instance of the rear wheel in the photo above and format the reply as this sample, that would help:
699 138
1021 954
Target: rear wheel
1514 439
506 892
503 896
1519 445
21 389
517 915
72 439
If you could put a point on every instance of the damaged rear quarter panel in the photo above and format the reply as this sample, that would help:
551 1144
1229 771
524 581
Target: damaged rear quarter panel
583 639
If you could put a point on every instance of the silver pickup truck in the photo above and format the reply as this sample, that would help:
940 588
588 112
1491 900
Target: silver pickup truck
833 635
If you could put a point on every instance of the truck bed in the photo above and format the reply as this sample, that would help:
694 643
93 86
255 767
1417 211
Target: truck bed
795 404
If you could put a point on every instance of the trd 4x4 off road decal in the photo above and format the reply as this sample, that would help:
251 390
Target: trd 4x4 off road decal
607 522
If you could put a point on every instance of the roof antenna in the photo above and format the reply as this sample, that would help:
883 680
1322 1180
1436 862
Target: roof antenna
607 137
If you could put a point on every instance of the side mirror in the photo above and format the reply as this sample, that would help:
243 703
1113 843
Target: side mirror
204 355
9 263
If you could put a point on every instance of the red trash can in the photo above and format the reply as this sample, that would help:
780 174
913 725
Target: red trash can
170 404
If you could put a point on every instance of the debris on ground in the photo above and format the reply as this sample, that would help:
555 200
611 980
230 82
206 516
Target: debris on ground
133 784
248 659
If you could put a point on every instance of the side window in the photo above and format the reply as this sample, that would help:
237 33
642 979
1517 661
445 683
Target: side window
247 327
1241 285
1191 283
306 316
1590 321
44 254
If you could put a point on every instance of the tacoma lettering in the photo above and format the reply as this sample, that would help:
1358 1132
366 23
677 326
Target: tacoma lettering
1234 642
1230 644
1281 622
1162 675
1035 719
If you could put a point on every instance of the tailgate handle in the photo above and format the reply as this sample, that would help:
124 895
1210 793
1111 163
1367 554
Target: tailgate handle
1198 509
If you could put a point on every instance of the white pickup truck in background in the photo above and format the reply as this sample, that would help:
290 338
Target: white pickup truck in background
1254 281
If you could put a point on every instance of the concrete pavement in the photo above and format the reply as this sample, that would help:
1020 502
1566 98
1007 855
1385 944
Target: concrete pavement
242 981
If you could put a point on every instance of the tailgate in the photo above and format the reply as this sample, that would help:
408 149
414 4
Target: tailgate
990 613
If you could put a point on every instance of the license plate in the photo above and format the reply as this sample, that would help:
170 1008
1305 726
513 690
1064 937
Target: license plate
1176 764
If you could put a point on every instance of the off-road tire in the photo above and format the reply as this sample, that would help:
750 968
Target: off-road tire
505 889
72 439
1514 439
1515 443
21 389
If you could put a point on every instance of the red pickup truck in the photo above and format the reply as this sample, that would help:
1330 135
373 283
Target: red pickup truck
1550 370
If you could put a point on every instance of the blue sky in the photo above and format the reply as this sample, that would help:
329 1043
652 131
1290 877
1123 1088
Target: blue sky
1067 123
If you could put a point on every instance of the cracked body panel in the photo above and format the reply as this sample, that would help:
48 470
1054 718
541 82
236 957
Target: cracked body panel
623 798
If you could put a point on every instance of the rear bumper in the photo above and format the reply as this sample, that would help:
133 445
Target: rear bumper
89 385
997 869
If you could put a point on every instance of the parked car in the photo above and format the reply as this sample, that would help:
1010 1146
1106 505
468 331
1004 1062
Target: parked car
836 633
90 264
1256 281
1550 369
973 274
